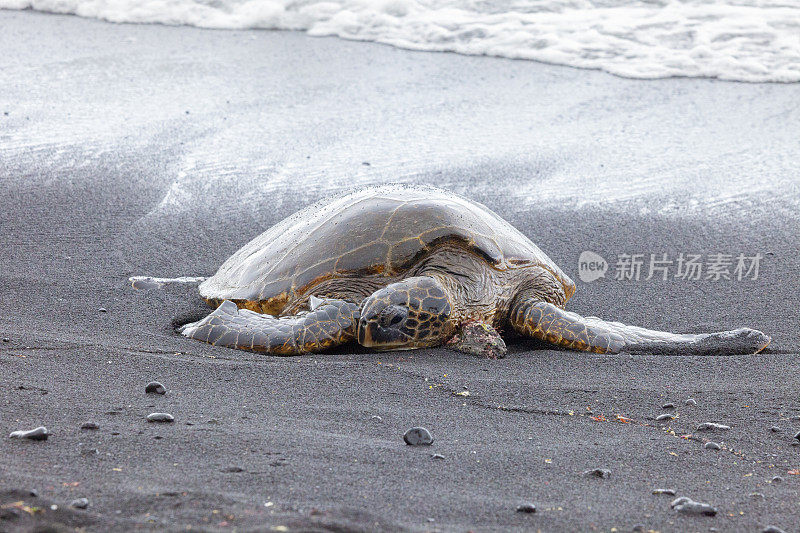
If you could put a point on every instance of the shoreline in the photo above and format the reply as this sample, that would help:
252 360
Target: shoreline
480 26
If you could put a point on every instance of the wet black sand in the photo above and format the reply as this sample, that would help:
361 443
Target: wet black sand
106 175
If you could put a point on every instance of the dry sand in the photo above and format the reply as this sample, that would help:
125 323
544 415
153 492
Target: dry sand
150 150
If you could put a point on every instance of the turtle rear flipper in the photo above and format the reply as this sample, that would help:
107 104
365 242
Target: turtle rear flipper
332 322
550 323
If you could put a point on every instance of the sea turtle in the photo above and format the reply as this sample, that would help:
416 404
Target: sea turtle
399 267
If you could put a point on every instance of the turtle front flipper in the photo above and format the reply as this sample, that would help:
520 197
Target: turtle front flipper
330 323
550 323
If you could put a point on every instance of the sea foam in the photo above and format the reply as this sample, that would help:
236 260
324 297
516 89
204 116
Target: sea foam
746 40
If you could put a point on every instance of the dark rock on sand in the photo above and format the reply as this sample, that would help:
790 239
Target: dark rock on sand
160 417
776 429
772 529
39 433
90 425
757 496
668 406
637 527
526 508
33 493
437 456
797 435
418 436
690 401
666 416
668 492
233 470
712 446
777 479
688 506
154 387
712 426
597 472
103 310
478 338
80 503
6 339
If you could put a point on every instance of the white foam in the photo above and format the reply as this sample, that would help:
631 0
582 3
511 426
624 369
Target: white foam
747 40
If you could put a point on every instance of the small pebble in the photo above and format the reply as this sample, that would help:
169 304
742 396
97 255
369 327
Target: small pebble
712 426
690 401
233 469
437 456
103 310
797 435
668 406
637 528
757 496
90 451
418 436
160 417
665 416
712 446
154 387
772 529
80 503
668 492
775 429
688 506
6 339
777 479
33 493
376 418
39 433
90 425
526 508
597 472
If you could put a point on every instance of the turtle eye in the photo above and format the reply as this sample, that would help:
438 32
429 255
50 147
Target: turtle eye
392 316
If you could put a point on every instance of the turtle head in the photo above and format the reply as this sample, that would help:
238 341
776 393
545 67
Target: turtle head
412 313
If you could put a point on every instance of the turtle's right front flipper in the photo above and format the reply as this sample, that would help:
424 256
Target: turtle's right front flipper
331 323
550 323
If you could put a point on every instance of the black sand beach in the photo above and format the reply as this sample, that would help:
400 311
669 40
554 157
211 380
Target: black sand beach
149 150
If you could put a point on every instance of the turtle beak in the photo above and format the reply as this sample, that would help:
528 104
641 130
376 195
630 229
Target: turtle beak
364 334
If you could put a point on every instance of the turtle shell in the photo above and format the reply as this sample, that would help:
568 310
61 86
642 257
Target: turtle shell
382 230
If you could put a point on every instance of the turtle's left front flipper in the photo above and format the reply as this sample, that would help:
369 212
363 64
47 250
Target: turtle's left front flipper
550 323
330 323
